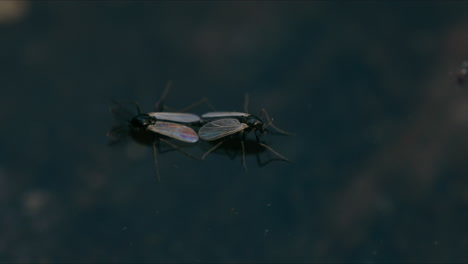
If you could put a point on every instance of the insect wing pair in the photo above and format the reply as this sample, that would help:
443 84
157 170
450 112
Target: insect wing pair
171 129
227 124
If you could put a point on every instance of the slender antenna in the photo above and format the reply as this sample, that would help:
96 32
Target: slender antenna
246 103
213 148
158 105
270 123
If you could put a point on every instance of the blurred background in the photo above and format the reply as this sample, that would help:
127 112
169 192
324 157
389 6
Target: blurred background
373 91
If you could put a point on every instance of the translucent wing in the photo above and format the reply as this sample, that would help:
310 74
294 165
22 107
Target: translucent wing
223 114
220 128
174 130
175 117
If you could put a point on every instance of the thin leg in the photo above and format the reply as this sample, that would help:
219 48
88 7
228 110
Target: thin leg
260 163
179 149
256 136
276 153
262 113
211 149
158 105
270 123
169 149
156 166
246 103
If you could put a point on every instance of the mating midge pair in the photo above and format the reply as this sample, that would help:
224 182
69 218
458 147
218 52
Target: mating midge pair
214 126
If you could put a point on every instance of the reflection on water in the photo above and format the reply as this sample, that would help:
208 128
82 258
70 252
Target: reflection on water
232 148
375 94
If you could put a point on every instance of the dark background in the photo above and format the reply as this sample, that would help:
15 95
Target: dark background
369 88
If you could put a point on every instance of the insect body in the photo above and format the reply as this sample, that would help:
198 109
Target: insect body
152 122
228 124
167 124
223 124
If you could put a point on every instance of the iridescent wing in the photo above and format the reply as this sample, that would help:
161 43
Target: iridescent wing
220 128
223 114
175 117
174 130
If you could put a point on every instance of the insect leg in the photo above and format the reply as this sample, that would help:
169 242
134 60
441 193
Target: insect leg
243 151
179 149
260 163
158 106
137 107
274 152
256 136
211 149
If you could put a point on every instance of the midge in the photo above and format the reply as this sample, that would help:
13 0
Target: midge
162 123
223 124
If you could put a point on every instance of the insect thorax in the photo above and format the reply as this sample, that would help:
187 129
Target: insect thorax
142 121
253 122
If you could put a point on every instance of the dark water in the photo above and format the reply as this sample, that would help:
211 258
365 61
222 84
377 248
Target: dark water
370 90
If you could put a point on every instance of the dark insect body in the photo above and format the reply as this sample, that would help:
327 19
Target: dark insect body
222 124
160 124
